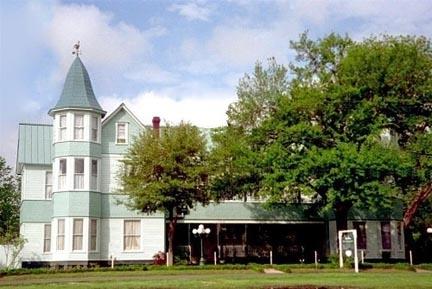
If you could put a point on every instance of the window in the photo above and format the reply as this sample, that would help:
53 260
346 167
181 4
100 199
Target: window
60 234
93 234
79 126
94 173
94 128
77 237
79 174
361 234
399 232
47 238
48 185
121 133
132 235
62 174
386 235
62 127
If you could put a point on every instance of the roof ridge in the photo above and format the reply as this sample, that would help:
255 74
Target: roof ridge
35 124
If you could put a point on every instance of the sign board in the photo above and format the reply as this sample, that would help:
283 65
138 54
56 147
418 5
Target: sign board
348 247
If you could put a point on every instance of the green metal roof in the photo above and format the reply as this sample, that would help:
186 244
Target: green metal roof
34 144
250 211
77 90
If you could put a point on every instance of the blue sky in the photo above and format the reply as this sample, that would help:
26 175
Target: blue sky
176 59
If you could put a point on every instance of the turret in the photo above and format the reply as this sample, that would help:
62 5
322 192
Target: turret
76 167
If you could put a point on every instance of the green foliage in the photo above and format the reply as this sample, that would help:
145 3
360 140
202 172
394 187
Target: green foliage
234 160
351 128
257 95
10 201
12 246
166 172
235 172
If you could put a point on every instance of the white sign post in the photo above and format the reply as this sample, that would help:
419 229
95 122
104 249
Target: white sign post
348 236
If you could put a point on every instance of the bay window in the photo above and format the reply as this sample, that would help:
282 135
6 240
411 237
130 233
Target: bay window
79 174
62 174
77 237
62 127
94 128
79 126
93 234
94 173
60 234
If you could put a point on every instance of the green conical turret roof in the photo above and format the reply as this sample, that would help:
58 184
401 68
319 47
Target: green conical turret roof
77 90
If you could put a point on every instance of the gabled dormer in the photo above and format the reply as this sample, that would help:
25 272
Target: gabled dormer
119 130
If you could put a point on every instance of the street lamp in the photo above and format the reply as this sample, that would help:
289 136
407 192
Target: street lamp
429 230
201 232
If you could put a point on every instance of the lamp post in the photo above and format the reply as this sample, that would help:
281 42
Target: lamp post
201 232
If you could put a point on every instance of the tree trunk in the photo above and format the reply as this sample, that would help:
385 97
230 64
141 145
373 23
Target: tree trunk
341 214
171 233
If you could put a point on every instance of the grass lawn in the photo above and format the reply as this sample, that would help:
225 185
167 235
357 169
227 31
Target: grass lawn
208 279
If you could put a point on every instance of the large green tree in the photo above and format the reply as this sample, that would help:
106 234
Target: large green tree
235 161
352 128
10 201
353 113
166 173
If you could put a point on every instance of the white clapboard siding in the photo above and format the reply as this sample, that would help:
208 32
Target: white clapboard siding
152 239
33 247
33 182
109 173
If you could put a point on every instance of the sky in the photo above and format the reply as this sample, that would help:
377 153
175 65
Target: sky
180 60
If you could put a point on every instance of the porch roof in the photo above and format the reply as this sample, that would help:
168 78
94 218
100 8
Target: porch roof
251 212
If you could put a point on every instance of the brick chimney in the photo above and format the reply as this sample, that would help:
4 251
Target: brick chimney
156 125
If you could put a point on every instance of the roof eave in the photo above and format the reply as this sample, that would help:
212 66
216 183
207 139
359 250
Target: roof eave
58 109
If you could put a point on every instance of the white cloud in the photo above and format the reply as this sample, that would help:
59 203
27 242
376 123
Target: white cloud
104 44
361 18
243 46
152 73
192 11
200 106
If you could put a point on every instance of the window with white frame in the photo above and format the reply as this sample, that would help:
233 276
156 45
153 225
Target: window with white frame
48 185
361 234
47 238
399 234
132 235
94 173
60 234
94 128
93 234
62 174
385 236
79 174
77 236
121 137
79 126
62 127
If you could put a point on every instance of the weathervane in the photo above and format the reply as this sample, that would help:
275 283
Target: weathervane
76 48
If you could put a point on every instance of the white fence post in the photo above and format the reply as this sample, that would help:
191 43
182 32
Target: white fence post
316 260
